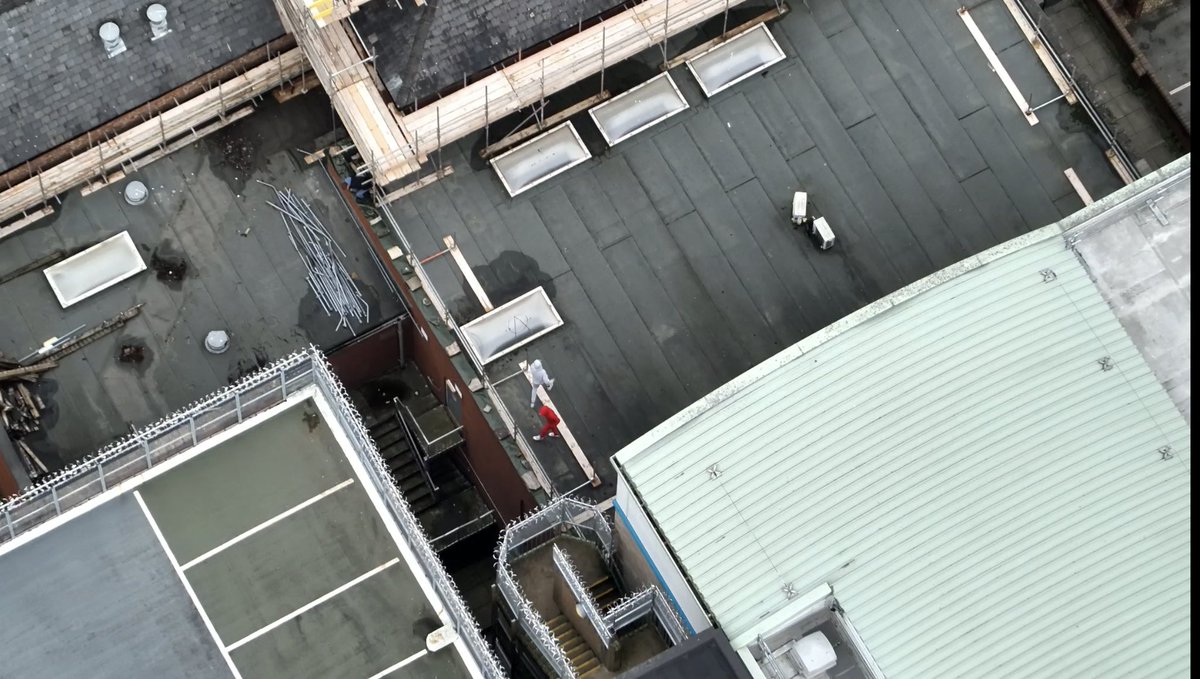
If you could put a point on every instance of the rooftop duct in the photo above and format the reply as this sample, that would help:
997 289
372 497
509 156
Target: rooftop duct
110 35
157 14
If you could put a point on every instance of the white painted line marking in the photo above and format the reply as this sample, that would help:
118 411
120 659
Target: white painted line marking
115 489
1182 87
1013 90
137 494
311 605
410 659
1078 186
266 524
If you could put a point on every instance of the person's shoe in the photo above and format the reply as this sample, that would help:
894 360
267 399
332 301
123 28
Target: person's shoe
533 404
536 437
552 435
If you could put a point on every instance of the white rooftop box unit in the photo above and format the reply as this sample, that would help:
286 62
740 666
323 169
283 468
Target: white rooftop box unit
97 268
547 155
631 112
511 326
735 60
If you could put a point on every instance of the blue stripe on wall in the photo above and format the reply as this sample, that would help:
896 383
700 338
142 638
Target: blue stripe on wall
661 582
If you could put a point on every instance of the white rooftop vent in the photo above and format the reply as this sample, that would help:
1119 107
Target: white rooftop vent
110 34
157 14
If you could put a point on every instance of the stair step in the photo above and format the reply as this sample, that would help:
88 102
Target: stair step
608 591
420 405
579 654
590 665
600 581
391 437
398 462
410 483
572 643
379 417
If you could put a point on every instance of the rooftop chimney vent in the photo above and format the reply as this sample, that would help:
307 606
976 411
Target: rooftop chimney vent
157 14
110 34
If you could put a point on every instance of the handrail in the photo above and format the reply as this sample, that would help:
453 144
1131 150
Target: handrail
464 622
134 454
578 590
439 542
413 448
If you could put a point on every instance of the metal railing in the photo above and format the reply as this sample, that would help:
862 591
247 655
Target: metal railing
578 518
140 451
255 393
634 608
586 522
463 531
579 590
446 318
414 450
535 628
522 536
350 421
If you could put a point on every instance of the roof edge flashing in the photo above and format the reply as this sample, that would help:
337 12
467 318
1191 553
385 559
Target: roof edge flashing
829 332
1078 224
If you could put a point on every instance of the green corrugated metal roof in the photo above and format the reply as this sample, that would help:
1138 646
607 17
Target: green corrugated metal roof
982 496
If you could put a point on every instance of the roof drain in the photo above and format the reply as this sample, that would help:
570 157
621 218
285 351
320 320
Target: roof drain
110 34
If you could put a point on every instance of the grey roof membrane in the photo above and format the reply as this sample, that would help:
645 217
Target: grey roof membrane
422 50
99 592
56 81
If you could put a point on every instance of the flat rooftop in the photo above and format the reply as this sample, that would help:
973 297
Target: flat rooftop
671 257
53 57
242 276
264 552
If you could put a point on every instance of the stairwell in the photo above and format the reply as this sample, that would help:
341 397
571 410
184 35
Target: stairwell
394 447
578 653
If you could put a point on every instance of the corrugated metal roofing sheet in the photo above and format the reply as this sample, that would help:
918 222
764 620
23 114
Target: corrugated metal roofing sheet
983 496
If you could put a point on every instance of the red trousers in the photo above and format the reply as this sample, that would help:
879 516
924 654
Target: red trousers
552 421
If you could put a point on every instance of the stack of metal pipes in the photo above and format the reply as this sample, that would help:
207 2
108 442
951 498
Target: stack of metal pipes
336 291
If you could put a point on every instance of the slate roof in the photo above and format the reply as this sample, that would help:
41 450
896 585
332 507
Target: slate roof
56 81
422 50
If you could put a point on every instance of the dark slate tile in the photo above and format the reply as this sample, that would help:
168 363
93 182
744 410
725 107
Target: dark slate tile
55 41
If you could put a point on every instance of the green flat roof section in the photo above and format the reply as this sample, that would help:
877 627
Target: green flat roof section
291 561
981 465
270 550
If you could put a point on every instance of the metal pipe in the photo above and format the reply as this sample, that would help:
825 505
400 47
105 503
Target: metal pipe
1083 100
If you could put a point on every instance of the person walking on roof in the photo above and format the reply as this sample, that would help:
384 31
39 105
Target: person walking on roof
551 428
539 378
